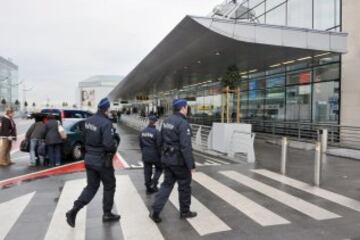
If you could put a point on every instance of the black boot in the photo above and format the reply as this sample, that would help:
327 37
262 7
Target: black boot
110 217
188 214
150 190
71 216
155 217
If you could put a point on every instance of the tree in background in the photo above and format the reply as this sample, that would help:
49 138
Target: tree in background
74 106
89 104
65 104
34 104
17 104
26 104
3 103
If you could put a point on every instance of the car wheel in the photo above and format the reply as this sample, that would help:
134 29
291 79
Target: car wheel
77 152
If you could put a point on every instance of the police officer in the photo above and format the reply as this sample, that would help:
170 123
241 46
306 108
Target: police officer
100 147
178 162
150 144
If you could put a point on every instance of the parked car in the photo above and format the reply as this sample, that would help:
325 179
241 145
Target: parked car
74 144
67 113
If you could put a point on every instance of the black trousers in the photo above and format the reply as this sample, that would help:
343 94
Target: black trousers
152 179
94 177
183 177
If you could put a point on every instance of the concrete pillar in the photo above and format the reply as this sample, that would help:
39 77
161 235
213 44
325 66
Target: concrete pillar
350 79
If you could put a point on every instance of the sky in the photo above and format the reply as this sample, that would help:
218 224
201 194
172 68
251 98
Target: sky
57 43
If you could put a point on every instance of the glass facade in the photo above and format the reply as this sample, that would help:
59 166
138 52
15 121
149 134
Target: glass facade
8 81
305 91
312 14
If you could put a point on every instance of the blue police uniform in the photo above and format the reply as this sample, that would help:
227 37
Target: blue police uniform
100 147
150 144
178 162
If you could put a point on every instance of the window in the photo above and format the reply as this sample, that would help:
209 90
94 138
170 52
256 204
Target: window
326 102
327 72
275 81
298 103
324 14
275 104
301 77
300 13
270 4
256 84
277 16
256 104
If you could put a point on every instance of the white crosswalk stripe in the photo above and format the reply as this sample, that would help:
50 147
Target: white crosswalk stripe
319 192
10 212
206 222
291 201
59 229
136 223
256 212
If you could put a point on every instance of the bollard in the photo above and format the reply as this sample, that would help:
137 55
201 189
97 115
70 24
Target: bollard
324 140
317 167
284 144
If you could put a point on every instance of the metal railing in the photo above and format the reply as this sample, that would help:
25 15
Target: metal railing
338 135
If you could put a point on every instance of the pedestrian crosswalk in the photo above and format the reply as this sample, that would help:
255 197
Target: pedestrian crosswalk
243 193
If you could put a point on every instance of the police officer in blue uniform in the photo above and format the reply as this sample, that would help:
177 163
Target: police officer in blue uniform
178 162
100 147
150 144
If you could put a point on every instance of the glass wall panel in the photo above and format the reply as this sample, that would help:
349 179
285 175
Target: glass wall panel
244 104
275 81
300 77
324 14
259 10
300 13
277 16
298 103
275 104
256 104
256 84
327 72
326 102
244 85
253 3
273 3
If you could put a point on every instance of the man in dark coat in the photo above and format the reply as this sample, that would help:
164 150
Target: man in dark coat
150 144
100 147
178 162
53 140
7 135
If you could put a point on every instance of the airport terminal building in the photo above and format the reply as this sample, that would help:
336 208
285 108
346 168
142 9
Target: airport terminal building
295 61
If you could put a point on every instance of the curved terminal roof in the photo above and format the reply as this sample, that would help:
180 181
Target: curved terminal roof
199 49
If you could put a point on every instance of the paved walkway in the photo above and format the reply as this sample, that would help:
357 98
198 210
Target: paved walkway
234 201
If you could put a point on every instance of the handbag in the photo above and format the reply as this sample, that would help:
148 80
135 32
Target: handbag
25 145
62 132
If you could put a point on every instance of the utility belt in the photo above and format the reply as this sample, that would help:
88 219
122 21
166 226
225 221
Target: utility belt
107 157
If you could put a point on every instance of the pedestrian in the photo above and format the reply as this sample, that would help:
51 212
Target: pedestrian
53 141
7 135
150 144
100 147
178 162
36 135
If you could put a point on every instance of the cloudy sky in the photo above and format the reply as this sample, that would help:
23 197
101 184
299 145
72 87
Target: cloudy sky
57 43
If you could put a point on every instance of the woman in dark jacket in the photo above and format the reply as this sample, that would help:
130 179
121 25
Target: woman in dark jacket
53 141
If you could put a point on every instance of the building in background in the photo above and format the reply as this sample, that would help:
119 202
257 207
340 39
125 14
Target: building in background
297 61
93 89
9 84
